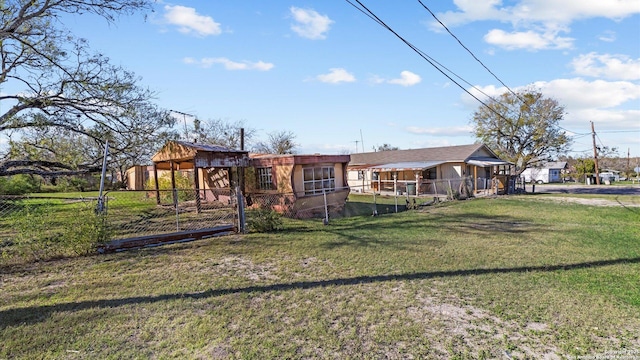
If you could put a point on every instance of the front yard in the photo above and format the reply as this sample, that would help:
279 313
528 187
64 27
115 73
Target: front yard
483 278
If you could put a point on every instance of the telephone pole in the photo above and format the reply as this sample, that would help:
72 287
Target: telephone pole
595 153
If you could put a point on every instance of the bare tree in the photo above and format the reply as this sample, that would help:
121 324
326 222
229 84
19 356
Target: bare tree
385 147
222 132
278 142
58 83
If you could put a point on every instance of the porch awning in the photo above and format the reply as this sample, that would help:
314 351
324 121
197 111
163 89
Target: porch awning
487 161
402 166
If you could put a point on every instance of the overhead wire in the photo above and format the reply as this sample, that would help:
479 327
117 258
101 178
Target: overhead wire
422 54
470 52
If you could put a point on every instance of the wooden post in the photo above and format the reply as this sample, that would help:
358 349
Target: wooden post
157 186
241 168
173 185
595 154
475 179
196 173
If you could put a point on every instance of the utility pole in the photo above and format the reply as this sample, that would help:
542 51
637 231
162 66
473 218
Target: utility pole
628 161
595 153
356 145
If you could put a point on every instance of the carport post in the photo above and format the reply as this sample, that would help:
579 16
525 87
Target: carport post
395 189
157 186
173 185
196 175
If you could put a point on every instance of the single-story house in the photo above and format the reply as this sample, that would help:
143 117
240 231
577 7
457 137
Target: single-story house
300 184
429 171
545 172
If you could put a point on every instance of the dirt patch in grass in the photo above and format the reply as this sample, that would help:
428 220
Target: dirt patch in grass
590 201
462 330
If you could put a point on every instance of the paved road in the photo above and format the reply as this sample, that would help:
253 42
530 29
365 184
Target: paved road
587 189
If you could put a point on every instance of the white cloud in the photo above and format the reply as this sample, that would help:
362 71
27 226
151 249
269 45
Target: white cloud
603 102
527 40
607 36
189 21
336 75
536 23
538 11
407 78
442 131
605 65
229 64
309 24
578 94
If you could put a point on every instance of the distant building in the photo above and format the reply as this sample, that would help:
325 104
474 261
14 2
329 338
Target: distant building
545 172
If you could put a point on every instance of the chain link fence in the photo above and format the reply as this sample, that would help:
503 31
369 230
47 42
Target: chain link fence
43 227
40 227
323 205
140 213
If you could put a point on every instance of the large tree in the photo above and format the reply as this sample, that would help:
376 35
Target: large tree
523 128
51 81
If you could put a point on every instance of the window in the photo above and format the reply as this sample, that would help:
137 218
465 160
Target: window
317 179
264 179
361 175
430 174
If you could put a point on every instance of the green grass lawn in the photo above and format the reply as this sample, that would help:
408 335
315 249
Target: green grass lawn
483 278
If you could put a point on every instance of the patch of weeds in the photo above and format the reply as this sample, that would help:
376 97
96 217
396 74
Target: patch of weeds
265 220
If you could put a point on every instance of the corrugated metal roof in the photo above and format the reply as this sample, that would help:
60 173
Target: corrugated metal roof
486 161
413 165
208 147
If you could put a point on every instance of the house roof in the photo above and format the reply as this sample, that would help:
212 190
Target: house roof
401 166
486 161
188 155
297 159
460 153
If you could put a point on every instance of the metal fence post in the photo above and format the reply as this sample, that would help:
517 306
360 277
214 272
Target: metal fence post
326 209
375 205
241 214
175 204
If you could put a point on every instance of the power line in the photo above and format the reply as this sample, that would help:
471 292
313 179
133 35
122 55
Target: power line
423 55
470 52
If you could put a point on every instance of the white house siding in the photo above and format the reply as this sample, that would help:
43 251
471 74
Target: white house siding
452 171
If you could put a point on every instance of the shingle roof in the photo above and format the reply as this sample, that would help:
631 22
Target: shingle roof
458 153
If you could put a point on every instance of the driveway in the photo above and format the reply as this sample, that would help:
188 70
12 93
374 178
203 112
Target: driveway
586 189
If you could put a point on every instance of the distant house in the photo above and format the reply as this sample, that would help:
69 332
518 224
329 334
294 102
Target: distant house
419 171
545 172
298 183
609 175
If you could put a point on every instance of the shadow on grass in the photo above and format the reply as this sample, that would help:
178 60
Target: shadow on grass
35 314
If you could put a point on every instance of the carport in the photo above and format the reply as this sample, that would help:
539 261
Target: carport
180 155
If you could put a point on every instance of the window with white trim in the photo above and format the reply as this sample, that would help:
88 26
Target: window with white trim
265 182
317 179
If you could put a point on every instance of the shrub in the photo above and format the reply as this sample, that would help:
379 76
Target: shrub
183 182
42 233
264 220
18 185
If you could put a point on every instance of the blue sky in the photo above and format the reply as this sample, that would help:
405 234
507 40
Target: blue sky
342 83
